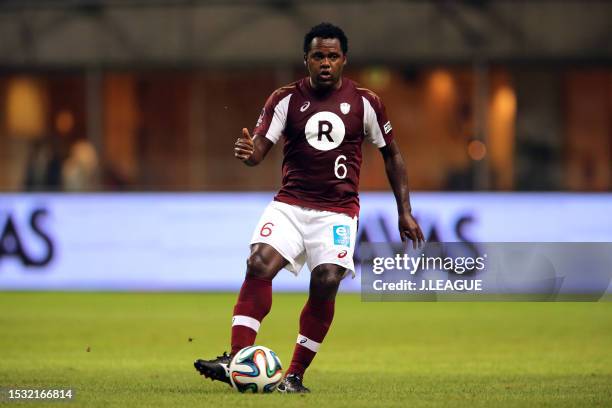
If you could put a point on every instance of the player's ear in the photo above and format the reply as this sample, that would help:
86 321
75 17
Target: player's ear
305 60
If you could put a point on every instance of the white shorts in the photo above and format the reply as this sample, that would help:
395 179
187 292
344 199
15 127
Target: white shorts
303 235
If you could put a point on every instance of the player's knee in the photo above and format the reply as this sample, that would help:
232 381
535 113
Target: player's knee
327 276
258 267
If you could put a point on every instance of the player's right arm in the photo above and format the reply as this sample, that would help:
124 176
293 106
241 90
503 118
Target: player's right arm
251 151
268 130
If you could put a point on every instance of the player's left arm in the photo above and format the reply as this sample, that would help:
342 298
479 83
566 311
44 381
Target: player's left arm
398 179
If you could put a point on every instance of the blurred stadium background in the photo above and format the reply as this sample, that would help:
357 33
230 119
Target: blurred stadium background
502 109
484 95
149 96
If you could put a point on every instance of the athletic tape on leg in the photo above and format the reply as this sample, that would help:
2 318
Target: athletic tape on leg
247 321
308 343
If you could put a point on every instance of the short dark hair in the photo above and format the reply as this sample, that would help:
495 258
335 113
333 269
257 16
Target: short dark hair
326 30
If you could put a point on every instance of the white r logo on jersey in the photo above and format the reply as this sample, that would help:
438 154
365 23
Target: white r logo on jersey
324 131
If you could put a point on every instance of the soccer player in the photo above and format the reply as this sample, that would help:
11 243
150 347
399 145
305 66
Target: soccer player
324 119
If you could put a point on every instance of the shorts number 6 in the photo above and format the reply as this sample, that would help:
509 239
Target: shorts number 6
266 230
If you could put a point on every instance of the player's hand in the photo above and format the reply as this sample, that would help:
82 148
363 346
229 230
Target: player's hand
244 147
409 230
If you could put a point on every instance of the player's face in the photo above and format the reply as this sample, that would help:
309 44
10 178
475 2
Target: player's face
325 62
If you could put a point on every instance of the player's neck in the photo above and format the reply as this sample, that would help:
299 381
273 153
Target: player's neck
323 91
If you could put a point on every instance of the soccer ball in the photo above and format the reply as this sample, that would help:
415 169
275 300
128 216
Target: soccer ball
256 369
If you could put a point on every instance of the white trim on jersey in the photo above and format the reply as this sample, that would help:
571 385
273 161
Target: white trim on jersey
371 128
247 321
308 343
279 120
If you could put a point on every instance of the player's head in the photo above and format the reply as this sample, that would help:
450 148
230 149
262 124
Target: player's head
325 48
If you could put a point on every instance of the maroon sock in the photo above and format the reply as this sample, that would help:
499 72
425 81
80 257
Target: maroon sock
315 320
254 303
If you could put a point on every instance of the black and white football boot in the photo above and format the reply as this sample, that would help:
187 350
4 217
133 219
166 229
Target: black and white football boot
216 370
292 383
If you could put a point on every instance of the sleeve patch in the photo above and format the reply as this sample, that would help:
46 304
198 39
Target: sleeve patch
388 127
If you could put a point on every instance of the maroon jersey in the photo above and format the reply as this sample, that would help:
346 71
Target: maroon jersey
322 144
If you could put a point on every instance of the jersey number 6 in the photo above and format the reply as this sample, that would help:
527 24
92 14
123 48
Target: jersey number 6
340 168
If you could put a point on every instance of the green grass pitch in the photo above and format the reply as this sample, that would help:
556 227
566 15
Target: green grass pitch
137 350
